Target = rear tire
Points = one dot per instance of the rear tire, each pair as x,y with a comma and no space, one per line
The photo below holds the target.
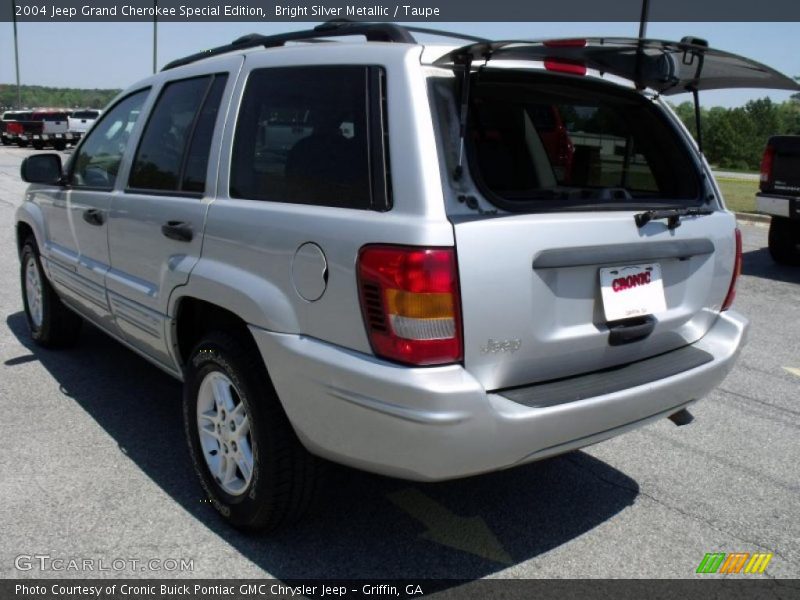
784,241
22,143
51,324
226,382
60,145
38,145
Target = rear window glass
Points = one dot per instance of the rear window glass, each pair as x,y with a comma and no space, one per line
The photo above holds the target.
303,137
549,143
85,114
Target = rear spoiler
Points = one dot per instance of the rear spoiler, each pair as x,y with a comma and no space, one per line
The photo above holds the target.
666,67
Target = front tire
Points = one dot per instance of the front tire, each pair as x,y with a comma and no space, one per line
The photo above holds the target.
784,241
251,465
51,324
38,145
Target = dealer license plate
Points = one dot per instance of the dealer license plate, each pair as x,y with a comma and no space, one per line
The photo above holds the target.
632,291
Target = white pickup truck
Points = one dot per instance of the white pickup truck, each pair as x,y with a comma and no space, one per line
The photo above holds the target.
81,120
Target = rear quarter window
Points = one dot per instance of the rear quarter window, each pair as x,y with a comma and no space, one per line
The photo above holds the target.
309,135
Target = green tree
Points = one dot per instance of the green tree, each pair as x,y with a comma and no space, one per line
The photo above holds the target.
34,96
685,111
763,120
724,138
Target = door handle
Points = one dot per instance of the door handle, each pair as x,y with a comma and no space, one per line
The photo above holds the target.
630,330
94,216
177,230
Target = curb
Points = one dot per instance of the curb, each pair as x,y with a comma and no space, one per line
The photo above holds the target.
753,218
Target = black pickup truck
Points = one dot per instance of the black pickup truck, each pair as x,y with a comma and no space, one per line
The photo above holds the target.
779,196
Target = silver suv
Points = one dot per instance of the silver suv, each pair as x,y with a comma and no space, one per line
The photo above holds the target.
423,261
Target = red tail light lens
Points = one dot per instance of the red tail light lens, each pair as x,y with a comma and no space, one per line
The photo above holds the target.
737,270
411,303
766,167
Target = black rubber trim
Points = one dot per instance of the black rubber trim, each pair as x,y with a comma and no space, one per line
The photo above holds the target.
623,253
608,381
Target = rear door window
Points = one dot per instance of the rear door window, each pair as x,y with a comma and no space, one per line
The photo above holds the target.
173,152
196,161
312,135
549,144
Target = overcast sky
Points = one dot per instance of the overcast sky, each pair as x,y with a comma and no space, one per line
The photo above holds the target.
116,55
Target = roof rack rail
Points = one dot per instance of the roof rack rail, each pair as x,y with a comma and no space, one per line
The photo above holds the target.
374,32
449,34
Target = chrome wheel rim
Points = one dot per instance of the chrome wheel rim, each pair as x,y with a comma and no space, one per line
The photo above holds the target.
33,292
224,430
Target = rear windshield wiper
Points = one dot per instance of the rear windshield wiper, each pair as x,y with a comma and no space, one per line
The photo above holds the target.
672,215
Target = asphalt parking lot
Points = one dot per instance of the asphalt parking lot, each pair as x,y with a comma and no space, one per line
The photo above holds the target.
93,464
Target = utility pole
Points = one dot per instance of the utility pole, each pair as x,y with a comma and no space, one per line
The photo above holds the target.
155,35
16,50
643,18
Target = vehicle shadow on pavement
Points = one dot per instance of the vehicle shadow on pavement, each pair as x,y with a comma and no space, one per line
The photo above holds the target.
759,263
364,526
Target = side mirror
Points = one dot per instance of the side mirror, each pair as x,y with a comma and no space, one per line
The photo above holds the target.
42,168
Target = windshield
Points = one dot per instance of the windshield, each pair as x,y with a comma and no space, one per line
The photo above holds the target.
543,142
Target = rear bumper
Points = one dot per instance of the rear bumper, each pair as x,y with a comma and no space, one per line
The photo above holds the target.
778,206
46,137
439,423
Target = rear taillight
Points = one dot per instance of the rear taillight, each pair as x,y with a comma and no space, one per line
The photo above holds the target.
765,181
737,270
411,304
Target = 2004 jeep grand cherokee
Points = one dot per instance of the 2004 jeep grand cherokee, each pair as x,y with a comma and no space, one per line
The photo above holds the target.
423,261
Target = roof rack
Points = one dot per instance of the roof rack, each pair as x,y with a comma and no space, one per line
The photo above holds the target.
448,34
373,32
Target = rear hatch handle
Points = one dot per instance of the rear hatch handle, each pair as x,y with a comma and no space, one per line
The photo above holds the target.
672,215
630,330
